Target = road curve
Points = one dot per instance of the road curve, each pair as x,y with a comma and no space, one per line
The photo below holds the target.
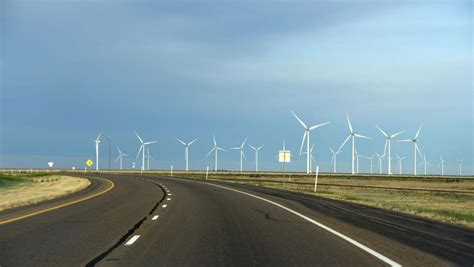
168,221
76,234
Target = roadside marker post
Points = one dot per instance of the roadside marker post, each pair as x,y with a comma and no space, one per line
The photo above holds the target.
284,156
316,178
171,170
207,172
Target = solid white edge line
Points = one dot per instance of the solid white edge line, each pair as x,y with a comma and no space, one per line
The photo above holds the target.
155,217
132,240
348,239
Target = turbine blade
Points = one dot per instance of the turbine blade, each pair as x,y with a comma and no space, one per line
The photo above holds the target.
221,149
395,135
418,132
317,126
301,122
260,147
149,143
212,150
243,143
302,141
347,139
190,143
362,136
243,154
181,141
252,147
405,140
349,123
139,138
418,150
140,150
382,131
98,137
385,149
215,142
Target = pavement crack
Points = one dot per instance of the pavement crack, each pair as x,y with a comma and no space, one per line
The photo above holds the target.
129,233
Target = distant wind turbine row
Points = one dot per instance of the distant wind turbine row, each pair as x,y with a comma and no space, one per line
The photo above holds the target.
144,149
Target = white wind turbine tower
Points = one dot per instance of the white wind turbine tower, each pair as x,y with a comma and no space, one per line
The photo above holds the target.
425,163
334,158
415,147
186,150
441,164
388,144
399,164
242,154
306,135
380,159
371,164
120,157
214,149
312,158
460,166
142,149
97,142
256,149
148,157
353,135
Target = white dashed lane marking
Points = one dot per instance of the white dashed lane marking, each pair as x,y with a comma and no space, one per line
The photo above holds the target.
155,217
132,240
164,206
168,199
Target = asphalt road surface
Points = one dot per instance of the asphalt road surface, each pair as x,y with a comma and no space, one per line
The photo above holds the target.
168,221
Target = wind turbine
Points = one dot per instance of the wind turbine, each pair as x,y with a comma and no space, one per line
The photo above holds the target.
388,144
415,147
460,166
400,159
186,150
97,142
353,135
424,162
256,149
214,149
120,157
380,159
306,135
242,154
142,149
441,164
334,158
357,160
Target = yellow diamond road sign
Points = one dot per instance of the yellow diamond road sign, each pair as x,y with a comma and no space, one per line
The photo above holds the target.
89,163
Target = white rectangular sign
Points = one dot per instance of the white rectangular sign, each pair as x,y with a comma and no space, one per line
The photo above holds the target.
284,156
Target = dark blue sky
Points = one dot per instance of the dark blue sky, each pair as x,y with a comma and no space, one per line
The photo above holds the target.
236,69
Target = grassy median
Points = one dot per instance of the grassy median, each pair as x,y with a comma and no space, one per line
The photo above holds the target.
25,189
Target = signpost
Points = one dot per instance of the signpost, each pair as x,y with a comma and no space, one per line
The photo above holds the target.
284,156
316,178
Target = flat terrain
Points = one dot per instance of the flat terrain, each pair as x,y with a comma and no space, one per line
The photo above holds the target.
21,190
169,221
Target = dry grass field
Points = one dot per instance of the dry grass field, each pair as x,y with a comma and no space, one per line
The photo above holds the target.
16,190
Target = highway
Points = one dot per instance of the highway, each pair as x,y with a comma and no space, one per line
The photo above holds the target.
148,220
